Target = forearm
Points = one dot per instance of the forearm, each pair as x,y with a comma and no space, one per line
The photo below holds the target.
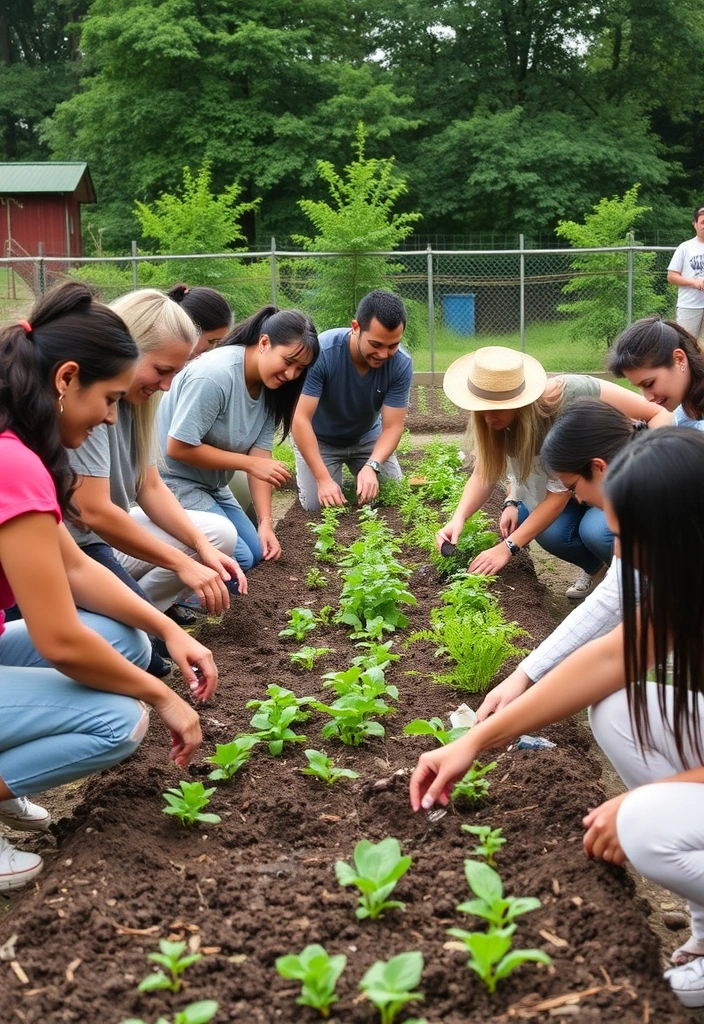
674,277
307,444
118,529
164,510
206,456
544,513
386,443
261,497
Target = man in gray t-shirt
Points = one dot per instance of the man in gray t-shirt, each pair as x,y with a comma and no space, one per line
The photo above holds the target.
353,405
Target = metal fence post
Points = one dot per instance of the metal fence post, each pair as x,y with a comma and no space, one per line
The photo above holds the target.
135,268
431,309
522,291
629,297
274,290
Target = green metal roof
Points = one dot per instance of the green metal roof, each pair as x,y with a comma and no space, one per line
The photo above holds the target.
22,178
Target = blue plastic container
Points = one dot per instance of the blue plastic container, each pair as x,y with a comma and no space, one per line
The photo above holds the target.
458,313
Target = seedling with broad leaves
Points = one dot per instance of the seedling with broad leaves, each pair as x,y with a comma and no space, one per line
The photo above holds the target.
174,960
355,679
473,786
434,727
318,973
377,868
195,1013
187,803
490,841
323,767
389,984
307,656
301,622
491,956
490,903
353,718
230,757
276,715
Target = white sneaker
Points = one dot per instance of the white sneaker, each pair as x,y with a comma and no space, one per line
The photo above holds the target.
17,867
687,982
24,816
584,584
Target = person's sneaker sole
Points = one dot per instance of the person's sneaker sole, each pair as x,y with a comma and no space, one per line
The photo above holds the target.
25,824
19,878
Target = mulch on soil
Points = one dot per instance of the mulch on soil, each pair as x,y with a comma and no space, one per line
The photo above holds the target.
262,883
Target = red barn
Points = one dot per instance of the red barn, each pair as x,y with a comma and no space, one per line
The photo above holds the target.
40,208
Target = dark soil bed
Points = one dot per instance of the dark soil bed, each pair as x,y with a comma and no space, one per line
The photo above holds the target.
430,411
262,882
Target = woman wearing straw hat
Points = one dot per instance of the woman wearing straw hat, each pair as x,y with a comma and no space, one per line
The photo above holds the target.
513,405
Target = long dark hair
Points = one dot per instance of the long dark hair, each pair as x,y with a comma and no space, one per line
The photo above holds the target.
206,307
66,325
656,488
284,327
588,429
649,344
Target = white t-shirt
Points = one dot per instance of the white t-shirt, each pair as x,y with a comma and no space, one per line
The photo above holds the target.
689,261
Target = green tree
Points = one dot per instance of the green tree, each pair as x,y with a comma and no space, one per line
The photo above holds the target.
598,311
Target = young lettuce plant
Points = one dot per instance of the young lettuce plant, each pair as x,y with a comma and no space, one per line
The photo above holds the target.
473,787
377,869
352,721
389,984
195,1013
230,757
377,656
307,656
434,727
315,579
490,841
322,767
318,973
187,802
171,958
301,622
491,956
275,717
365,682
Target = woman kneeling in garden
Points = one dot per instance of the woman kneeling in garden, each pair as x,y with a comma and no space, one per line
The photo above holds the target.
73,691
513,405
649,721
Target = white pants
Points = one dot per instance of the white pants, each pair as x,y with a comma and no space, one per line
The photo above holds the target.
692,320
163,586
660,824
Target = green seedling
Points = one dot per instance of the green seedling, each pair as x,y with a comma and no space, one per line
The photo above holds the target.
490,841
325,614
276,715
315,579
490,904
473,787
352,718
187,802
171,957
306,657
318,973
301,622
229,757
389,984
194,1013
322,767
324,531
377,656
367,683
491,956
434,727
377,869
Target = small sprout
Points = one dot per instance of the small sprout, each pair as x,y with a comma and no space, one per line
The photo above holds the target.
318,973
490,841
301,622
194,1013
377,869
306,657
388,984
229,757
171,957
276,715
473,787
489,954
320,765
498,910
187,802
434,727
315,579
325,615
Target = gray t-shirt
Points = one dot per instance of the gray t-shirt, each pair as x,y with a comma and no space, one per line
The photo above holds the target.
209,404
349,410
109,453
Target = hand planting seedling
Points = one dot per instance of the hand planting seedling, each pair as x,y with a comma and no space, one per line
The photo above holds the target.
187,802
171,957
195,1013
229,757
306,657
490,841
489,954
473,787
322,767
377,869
498,910
301,622
389,984
315,579
318,973
434,727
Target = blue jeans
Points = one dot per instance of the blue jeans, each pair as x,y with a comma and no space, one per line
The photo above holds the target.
579,535
248,549
54,730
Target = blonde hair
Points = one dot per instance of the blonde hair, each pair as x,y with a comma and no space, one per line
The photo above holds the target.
152,319
521,441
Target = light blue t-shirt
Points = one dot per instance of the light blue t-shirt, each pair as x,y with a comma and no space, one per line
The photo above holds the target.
209,404
349,407
681,419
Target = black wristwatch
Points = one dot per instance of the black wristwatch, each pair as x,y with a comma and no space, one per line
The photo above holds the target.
512,546
374,465
511,503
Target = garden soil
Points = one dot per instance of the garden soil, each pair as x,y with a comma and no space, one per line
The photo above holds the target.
120,875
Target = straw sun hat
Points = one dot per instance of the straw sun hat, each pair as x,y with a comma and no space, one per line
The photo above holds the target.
494,378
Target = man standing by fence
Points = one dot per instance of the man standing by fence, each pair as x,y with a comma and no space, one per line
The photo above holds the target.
353,406
686,270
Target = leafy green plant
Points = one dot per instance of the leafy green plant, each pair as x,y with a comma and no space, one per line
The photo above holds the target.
187,802
195,1013
324,616
315,579
377,869
307,656
276,715
301,622
318,973
473,786
355,679
490,841
230,757
389,984
353,718
324,531
490,903
173,958
322,767
491,956
434,727
377,655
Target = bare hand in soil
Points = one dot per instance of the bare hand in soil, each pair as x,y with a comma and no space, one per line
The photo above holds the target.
601,838
436,773
367,484
488,563
330,493
184,726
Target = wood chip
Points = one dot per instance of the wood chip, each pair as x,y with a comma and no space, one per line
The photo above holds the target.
330,817
646,1012
210,950
122,929
553,939
577,900
519,810
455,945
556,887
72,968
21,976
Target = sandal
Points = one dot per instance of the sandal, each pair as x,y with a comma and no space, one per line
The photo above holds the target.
692,949
182,616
